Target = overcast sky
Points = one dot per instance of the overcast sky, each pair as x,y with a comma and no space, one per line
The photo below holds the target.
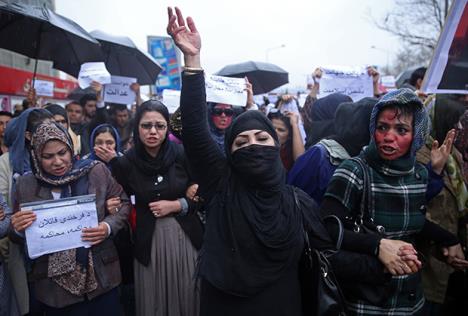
314,32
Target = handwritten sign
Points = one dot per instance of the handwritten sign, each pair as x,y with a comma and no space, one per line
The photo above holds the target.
225,90
171,99
118,91
59,223
352,81
90,72
44,87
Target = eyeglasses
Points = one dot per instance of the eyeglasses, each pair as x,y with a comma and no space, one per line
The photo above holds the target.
218,112
158,126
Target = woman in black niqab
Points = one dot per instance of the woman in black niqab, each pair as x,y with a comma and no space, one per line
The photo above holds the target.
254,231
252,221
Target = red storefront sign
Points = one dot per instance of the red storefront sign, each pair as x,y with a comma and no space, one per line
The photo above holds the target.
17,82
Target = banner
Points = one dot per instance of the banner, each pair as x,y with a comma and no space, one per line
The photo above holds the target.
225,90
448,71
352,81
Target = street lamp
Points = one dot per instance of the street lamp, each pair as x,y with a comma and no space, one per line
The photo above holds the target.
268,50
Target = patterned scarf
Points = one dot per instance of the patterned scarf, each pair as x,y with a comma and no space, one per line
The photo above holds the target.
461,143
405,164
68,268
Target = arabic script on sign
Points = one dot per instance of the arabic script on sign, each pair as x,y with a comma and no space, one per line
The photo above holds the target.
59,223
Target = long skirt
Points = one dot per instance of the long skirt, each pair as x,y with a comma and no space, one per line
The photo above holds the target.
8,304
167,286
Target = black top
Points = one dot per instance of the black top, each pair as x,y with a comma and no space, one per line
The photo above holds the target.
149,187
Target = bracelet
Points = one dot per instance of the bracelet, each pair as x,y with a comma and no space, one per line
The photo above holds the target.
193,69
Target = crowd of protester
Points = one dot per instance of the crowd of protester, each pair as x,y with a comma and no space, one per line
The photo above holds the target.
208,211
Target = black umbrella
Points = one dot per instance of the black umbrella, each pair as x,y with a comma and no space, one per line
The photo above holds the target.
264,77
405,76
124,58
40,33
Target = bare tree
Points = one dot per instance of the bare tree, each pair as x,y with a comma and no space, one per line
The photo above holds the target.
417,23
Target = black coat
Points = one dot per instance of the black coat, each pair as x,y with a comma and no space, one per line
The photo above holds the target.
153,187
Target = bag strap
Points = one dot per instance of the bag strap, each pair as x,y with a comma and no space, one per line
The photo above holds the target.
339,240
365,199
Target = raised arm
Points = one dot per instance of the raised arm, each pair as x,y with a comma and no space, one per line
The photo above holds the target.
206,161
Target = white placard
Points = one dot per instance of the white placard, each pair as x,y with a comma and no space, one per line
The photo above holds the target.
302,99
225,90
388,81
44,87
118,91
352,81
171,99
90,72
59,223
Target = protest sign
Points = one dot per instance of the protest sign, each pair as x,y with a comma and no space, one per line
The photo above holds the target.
352,81
448,71
44,87
171,99
302,99
389,82
90,72
118,91
225,90
59,223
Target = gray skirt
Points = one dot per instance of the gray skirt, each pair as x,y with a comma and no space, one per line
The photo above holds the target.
167,286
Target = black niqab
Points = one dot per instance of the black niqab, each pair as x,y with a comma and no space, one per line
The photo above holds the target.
254,232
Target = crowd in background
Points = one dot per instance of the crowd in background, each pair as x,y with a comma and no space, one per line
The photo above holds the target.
204,211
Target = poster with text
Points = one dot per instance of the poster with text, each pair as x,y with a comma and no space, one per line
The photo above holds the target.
352,81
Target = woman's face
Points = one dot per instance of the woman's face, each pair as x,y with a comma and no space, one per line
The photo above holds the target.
252,137
222,116
281,130
105,140
56,158
152,129
393,134
61,120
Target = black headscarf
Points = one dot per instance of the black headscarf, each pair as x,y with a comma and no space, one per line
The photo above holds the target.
352,125
253,229
448,111
323,115
56,109
168,151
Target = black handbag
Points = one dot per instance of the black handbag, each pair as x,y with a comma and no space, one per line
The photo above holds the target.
363,223
320,292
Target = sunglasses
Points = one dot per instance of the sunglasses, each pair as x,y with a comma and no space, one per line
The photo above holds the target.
219,112
158,126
